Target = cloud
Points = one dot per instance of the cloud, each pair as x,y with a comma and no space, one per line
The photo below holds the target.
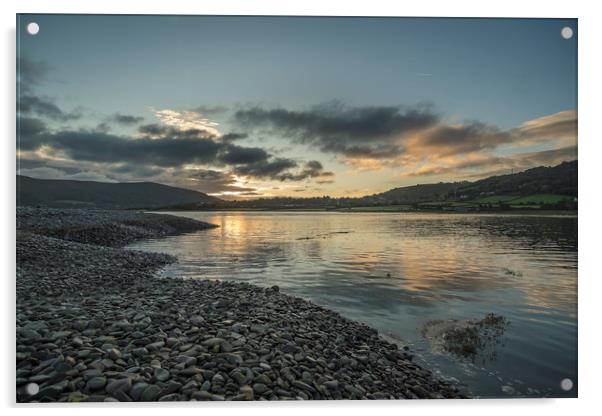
210,110
448,140
236,155
231,137
125,119
187,120
43,107
160,147
30,74
55,173
29,127
561,126
378,137
312,169
333,127
216,182
480,166
96,146
272,169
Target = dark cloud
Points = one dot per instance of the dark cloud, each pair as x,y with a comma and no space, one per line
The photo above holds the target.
214,181
125,119
210,110
163,147
312,169
209,175
449,140
98,146
272,169
161,131
230,137
43,107
28,128
280,169
137,171
237,155
29,74
336,128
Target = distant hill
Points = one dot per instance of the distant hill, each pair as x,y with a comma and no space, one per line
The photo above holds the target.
560,179
416,194
69,193
537,186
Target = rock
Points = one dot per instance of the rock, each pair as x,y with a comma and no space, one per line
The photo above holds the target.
29,334
260,388
212,342
140,352
150,393
114,353
186,360
76,397
49,392
172,387
96,383
262,378
331,384
155,346
197,320
301,385
161,374
289,347
137,389
122,385
247,392
174,397
201,395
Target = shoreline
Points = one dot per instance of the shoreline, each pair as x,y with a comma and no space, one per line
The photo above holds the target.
513,212
95,324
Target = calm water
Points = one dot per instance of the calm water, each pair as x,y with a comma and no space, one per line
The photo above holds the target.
396,271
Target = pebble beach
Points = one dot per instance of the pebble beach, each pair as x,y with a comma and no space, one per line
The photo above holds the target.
94,324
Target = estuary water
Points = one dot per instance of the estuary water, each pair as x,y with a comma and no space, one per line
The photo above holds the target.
398,271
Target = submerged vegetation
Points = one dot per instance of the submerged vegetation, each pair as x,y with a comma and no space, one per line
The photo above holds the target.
466,339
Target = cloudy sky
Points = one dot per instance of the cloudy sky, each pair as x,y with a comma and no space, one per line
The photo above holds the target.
241,107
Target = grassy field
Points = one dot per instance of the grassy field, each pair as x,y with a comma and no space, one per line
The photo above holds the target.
495,199
537,199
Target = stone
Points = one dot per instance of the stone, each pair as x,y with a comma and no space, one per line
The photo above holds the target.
174,397
247,392
96,383
76,397
211,342
123,385
331,384
151,393
137,389
260,388
161,374
186,360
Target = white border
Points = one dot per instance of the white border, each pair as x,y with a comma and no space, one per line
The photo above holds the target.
590,200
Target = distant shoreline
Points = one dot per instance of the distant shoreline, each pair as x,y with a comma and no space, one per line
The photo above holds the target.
518,212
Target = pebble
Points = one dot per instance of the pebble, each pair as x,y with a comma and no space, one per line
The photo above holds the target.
96,383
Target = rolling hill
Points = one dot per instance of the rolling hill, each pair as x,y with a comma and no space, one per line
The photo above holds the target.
69,193
559,180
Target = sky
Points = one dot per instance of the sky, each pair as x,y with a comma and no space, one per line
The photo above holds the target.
247,107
